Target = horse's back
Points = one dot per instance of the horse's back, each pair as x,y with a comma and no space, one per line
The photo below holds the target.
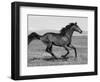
49,37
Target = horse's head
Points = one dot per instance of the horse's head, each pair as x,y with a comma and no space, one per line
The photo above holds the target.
69,28
75,27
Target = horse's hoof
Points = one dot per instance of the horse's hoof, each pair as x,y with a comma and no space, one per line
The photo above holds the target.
63,56
75,59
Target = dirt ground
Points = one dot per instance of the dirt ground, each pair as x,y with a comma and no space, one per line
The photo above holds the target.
38,57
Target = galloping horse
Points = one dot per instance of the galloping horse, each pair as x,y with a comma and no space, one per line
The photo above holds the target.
62,39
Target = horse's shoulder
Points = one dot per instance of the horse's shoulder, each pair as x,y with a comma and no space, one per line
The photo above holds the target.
65,38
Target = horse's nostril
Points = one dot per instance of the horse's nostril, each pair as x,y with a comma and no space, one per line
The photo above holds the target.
80,31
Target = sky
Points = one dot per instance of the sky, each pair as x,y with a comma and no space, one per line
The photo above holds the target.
41,22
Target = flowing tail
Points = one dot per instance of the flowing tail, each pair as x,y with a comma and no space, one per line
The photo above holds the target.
33,36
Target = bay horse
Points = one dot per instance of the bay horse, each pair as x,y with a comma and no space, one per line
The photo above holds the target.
62,39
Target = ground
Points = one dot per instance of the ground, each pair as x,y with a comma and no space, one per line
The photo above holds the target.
38,57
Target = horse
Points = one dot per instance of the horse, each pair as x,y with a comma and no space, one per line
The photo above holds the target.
61,39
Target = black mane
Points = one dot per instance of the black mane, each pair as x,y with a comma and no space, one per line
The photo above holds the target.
63,30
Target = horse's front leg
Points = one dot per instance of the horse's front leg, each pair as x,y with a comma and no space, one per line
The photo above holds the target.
66,53
71,46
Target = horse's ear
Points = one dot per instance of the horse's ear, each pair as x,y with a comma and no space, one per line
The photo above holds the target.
75,23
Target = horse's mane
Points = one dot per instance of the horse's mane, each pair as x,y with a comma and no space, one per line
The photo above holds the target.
64,29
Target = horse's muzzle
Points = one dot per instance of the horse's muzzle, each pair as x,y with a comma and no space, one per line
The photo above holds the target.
80,31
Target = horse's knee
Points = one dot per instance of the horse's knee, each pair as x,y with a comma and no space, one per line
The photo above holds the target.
74,49
68,52
46,50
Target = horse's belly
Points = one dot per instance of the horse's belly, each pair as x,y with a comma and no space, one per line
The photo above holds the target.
60,43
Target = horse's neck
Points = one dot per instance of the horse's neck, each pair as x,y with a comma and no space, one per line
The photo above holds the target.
69,34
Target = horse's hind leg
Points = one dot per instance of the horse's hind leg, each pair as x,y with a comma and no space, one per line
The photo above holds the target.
49,50
66,53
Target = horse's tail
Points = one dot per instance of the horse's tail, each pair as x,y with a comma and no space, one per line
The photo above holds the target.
33,36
